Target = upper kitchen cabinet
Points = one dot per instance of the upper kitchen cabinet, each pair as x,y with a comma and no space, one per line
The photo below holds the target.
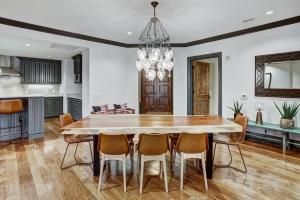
77,68
40,71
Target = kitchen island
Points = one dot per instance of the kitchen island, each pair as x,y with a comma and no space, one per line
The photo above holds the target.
33,119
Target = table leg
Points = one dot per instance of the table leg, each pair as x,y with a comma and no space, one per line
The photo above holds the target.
96,164
285,142
209,155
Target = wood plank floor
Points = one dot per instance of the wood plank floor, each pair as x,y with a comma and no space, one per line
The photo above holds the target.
31,171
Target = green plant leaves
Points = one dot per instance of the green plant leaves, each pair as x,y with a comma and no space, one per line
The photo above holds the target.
237,107
288,111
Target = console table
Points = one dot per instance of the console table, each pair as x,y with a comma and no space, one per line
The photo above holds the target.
275,127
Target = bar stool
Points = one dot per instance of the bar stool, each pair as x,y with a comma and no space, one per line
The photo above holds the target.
10,107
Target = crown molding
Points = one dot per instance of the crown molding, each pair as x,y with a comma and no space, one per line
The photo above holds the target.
45,29
49,30
246,31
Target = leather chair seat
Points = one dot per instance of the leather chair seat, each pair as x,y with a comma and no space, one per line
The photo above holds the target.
11,106
232,138
77,138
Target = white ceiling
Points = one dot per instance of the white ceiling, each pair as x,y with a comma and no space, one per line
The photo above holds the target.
16,46
185,20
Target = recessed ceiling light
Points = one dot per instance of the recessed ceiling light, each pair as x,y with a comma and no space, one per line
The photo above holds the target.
129,33
270,12
248,20
48,56
27,45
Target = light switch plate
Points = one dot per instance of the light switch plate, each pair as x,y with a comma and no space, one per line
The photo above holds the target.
244,96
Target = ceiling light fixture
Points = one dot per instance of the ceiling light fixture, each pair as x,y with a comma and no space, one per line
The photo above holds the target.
155,55
48,56
248,20
129,33
27,45
270,12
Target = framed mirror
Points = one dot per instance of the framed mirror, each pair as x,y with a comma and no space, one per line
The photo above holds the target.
278,75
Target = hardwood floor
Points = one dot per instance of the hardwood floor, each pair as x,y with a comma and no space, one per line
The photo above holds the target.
31,171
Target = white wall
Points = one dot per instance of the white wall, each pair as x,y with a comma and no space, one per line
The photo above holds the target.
238,68
109,74
68,87
113,76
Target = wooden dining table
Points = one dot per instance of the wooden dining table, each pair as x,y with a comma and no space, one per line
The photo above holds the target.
95,124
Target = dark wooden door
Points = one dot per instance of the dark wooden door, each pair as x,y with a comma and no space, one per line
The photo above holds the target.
201,88
156,95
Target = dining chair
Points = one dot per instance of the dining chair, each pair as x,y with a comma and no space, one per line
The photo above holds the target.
65,120
153,147
113,147
192,146
233,139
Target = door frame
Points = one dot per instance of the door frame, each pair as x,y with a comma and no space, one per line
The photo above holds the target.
190,99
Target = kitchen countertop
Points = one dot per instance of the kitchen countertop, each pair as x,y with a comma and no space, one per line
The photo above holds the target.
29,95
75,96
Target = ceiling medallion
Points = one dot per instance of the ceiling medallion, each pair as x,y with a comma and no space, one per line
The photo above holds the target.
155,55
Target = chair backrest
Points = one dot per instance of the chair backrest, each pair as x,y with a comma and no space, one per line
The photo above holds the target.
192,143
153,144
65,119
243,121
113,144
11,106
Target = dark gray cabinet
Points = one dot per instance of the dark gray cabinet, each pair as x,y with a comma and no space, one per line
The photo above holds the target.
77,68
35,115
33,120
75,108
53,106
40,71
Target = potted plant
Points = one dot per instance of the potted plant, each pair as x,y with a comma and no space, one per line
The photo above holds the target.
237,108
287,112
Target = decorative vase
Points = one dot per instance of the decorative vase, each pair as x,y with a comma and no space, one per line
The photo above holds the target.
236,114
259,119
287,123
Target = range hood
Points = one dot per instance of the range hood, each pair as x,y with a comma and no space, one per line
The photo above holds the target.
8,66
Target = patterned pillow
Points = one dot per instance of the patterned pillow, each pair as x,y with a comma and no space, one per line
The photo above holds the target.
117,106
121,108
96,108
104,108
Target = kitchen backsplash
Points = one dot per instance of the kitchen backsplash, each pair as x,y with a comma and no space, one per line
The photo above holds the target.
11,85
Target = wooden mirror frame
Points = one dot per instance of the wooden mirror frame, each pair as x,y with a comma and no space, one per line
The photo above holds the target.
260,61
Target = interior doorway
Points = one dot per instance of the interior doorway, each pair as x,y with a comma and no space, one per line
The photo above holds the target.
156,97
205,85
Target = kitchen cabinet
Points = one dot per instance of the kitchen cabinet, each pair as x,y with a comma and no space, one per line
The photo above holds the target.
77,68
53,106
75,108
40,71
35,115
32,123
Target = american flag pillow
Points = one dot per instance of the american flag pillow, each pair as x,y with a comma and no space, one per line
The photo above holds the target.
96,108
104,109
121,108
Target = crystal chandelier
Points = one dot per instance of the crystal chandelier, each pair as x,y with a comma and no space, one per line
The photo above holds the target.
155,55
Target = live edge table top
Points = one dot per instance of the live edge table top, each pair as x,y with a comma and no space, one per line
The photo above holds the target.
134,123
